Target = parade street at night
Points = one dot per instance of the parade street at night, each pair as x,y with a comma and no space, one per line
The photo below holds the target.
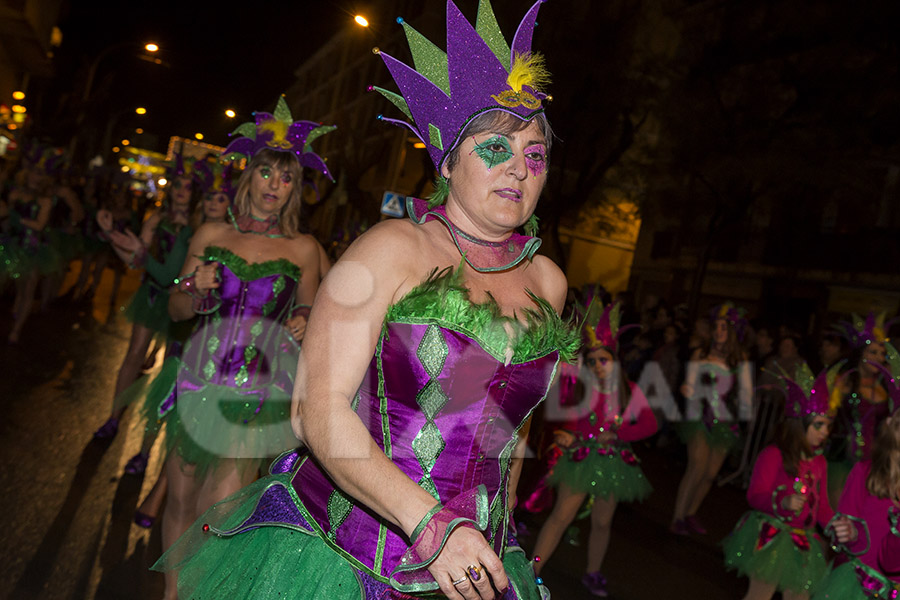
69,508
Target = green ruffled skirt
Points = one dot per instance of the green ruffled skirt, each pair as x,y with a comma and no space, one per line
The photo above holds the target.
719,437
287,561
217,421
843,584
601,475
152,314
779,561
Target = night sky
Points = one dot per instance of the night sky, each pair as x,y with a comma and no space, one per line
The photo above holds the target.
220,55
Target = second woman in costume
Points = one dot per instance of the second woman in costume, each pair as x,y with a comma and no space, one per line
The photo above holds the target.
598,460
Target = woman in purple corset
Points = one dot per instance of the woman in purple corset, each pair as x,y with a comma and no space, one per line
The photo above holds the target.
430,344
250,281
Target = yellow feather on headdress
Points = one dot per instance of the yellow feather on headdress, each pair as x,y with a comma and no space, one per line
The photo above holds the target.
278,128
530,70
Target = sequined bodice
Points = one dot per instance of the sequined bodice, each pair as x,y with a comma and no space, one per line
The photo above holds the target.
443,402
239,344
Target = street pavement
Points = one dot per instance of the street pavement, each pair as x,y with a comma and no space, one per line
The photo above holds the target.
66,508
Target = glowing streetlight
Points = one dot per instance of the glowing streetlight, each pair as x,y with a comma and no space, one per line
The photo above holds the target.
115,148
361,21
199,136
139,131
230,114
141,110
125,142
125,169
17,95
151,47
18,108
12,126
162,181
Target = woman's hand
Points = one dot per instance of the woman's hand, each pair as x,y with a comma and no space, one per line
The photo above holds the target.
296,326
206,278
126,241
606,437
464,548
563,439
794,503
105,220
687,390
844,531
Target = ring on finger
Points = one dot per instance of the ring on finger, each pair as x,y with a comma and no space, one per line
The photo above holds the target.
460,580
474,572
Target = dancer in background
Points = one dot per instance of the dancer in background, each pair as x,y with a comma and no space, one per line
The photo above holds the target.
598,460
163,244
776,543
718,388
869,563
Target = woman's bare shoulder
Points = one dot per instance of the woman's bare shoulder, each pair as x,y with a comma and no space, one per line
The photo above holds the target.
550,281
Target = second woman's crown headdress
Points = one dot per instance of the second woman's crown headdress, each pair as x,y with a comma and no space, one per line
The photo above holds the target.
278,131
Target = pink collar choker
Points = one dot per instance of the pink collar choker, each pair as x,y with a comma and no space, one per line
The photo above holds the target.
482,255
270,227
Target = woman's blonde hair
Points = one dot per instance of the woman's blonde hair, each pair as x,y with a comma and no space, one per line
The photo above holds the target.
884,475
289,218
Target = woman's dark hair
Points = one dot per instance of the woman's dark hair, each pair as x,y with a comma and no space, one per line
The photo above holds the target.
499,122
790,437
884,475
621,382
734,353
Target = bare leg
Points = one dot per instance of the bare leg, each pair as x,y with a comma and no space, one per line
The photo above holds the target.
713,466
230,476
117,281
601,521
697,456
564,512
180,510
152,503
24,301
131,366
760,591
99,265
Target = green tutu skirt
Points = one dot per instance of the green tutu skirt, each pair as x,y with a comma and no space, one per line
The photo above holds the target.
217,421
719,437
764,548
287,560
149,307
843,583
617,473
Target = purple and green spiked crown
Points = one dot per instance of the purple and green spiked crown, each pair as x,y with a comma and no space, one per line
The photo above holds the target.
807,394
479,72
278,131
216,178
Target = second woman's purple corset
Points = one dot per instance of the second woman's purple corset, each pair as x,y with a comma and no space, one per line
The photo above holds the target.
444,397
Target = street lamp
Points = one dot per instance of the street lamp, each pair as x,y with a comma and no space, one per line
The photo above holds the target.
140,110
361,21
230,114
151,47
199,136
17,95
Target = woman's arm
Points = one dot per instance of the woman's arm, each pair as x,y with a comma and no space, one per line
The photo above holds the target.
40,221
165,272
181,301
343,330
638,420
745,391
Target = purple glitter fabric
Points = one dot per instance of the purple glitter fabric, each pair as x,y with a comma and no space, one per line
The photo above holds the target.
275,507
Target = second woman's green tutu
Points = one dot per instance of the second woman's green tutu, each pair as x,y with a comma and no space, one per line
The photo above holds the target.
764,548
149,307
602,475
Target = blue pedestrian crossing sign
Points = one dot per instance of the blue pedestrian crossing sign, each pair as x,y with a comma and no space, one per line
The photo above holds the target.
393,205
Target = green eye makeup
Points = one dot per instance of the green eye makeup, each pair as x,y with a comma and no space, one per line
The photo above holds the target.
493,151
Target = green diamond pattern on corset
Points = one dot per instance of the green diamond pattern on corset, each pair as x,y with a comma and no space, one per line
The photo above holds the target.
428,443
339,507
